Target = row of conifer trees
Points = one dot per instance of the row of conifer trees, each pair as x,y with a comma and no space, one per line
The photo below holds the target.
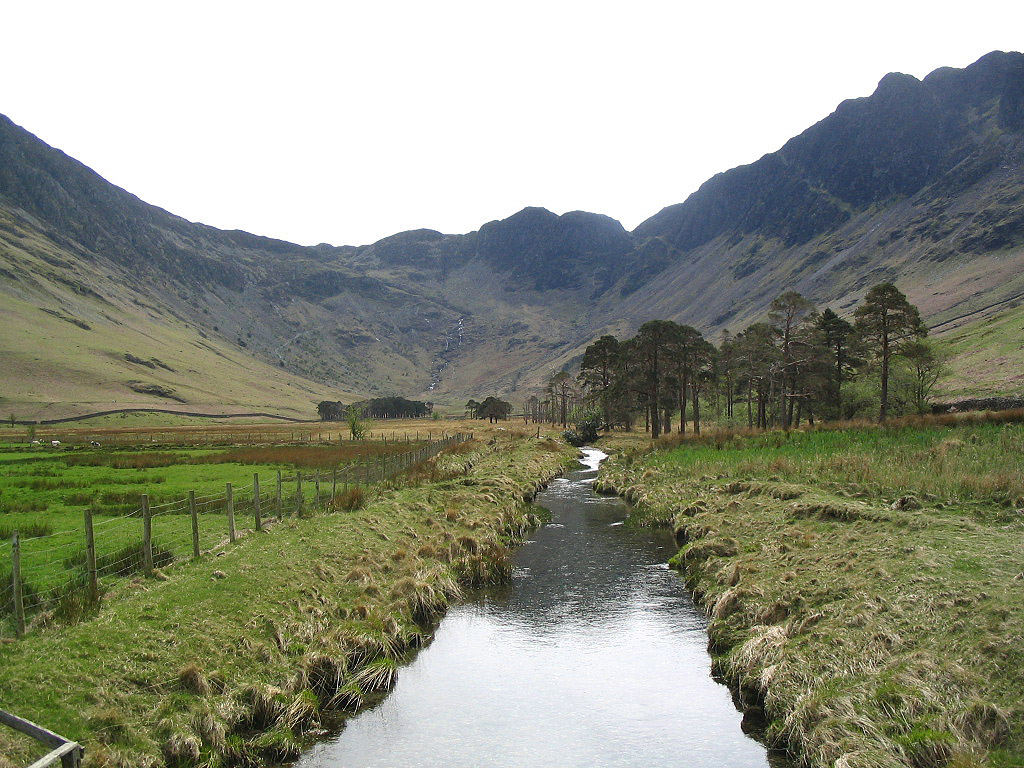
798,364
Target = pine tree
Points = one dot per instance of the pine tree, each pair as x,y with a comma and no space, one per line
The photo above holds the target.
886,322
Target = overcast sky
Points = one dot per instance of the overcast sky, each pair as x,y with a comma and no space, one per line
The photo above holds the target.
344,122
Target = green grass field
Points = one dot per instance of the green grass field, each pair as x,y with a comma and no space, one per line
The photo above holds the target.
987,357
231,659
44,494
865,586
979,465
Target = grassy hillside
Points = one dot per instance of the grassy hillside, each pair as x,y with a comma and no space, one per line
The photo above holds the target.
78,338
986,356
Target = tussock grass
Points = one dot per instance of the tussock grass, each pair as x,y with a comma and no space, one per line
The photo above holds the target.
124,460
377,676
305,456
860,584
192,679
25,530
349,499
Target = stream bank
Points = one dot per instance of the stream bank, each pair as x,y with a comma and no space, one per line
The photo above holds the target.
231,659
873,616
593,654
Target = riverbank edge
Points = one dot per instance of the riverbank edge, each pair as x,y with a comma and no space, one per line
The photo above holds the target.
752,632
232,660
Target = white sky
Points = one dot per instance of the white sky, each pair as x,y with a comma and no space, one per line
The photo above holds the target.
344,122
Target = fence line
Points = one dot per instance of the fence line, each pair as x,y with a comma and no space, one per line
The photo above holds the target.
68,752
156,535
226,437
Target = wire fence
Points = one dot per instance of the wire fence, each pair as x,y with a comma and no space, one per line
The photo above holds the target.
228,436
60,577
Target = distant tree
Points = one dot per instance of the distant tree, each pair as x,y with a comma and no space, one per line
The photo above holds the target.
599,369
704,355
787,315
689,358
887,323
649,351
355,424
838,337
472,409
494,409
394,407
329,410
758,364
925,365
531,409
726,369
562,393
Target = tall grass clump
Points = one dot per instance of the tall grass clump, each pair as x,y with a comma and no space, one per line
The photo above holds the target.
25,530
119,460
349,499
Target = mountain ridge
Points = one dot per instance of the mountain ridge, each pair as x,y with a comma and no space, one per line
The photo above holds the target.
921,182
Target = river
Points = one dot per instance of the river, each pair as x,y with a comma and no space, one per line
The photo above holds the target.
594,655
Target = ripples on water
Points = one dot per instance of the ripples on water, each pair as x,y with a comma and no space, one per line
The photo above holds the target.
593,656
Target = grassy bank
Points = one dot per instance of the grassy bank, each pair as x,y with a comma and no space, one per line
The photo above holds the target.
45,492
231,660
864,586
985,356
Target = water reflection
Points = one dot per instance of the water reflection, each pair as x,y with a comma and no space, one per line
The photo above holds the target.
594,655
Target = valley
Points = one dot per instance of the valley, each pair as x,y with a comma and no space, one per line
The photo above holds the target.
921,183
222,543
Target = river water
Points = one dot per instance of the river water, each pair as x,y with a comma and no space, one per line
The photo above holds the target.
593,656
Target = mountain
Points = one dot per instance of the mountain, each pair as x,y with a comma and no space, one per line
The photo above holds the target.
920,183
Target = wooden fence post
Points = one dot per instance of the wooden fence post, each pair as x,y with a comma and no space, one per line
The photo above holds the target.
299,500
334,483
280,507
147,536
19,603
230,504
195,522
316,488
90,558
256,501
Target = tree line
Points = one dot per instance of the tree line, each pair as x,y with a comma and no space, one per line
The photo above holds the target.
797,365
392,407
